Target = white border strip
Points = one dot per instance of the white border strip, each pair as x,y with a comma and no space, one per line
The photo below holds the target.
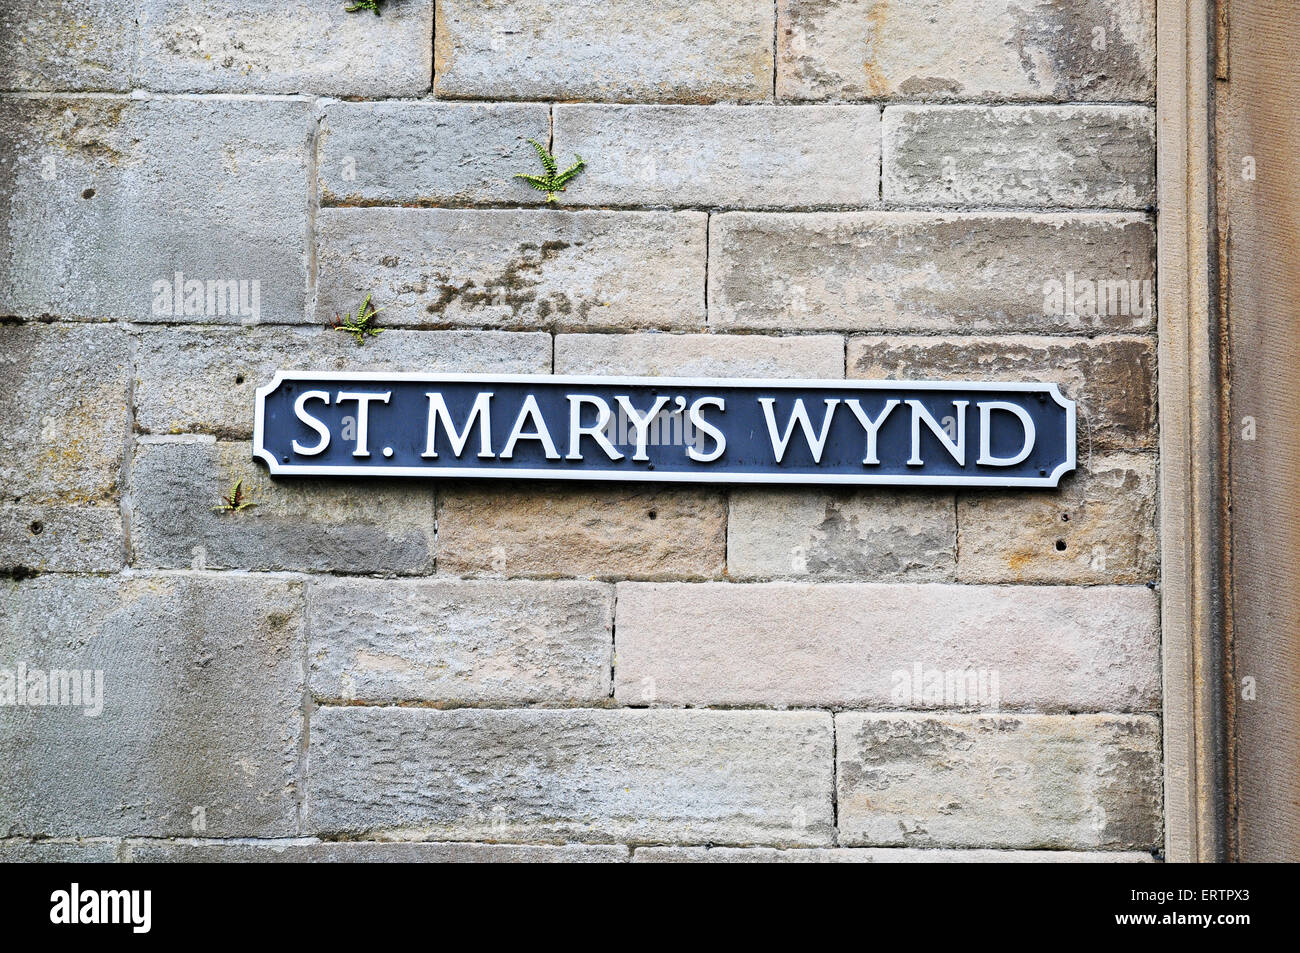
653,476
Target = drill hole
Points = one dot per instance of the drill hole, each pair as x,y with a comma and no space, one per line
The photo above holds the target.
1060,545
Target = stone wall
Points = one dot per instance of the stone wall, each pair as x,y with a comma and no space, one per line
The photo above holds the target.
805,188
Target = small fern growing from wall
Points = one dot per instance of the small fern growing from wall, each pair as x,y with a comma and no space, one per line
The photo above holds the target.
372,5
553,180
360,326
235,500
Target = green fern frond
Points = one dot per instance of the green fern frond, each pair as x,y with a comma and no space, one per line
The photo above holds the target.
567,176
540,183
548,160
235,500
372,5
362,324
553,180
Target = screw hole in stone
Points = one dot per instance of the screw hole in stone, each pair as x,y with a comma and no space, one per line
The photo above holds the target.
1060,545
37,527
654,514
239,378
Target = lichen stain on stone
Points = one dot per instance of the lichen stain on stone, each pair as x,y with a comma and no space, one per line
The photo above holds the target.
877,84
839,545
515,287
922,86
278,621
1131,795
1018,562
1075,68
71,443
144,586
898,742
86,128
247,45
366,661
49,27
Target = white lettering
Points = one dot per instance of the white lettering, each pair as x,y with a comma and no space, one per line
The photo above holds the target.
641,424
698,421
986,458
313,422
817,444
957,448
596,431
872,427
530,411
134,907
480,413
363,416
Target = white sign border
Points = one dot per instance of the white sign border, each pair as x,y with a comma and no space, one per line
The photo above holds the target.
652,476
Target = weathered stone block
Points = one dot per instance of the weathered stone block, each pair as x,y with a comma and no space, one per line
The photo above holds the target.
700,355
263,46
879,855
61,538
64,404
429,153
581,775
515,269
975,49
1100,526
609,532
939,272
58,852
202,693
67,44
1054,781
460,642
193,380
1111,378
63,399
370,852
655,51
179,521
873,534
129,208
1071,156
739,156
888,646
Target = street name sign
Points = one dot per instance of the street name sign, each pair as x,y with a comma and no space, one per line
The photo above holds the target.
931,433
